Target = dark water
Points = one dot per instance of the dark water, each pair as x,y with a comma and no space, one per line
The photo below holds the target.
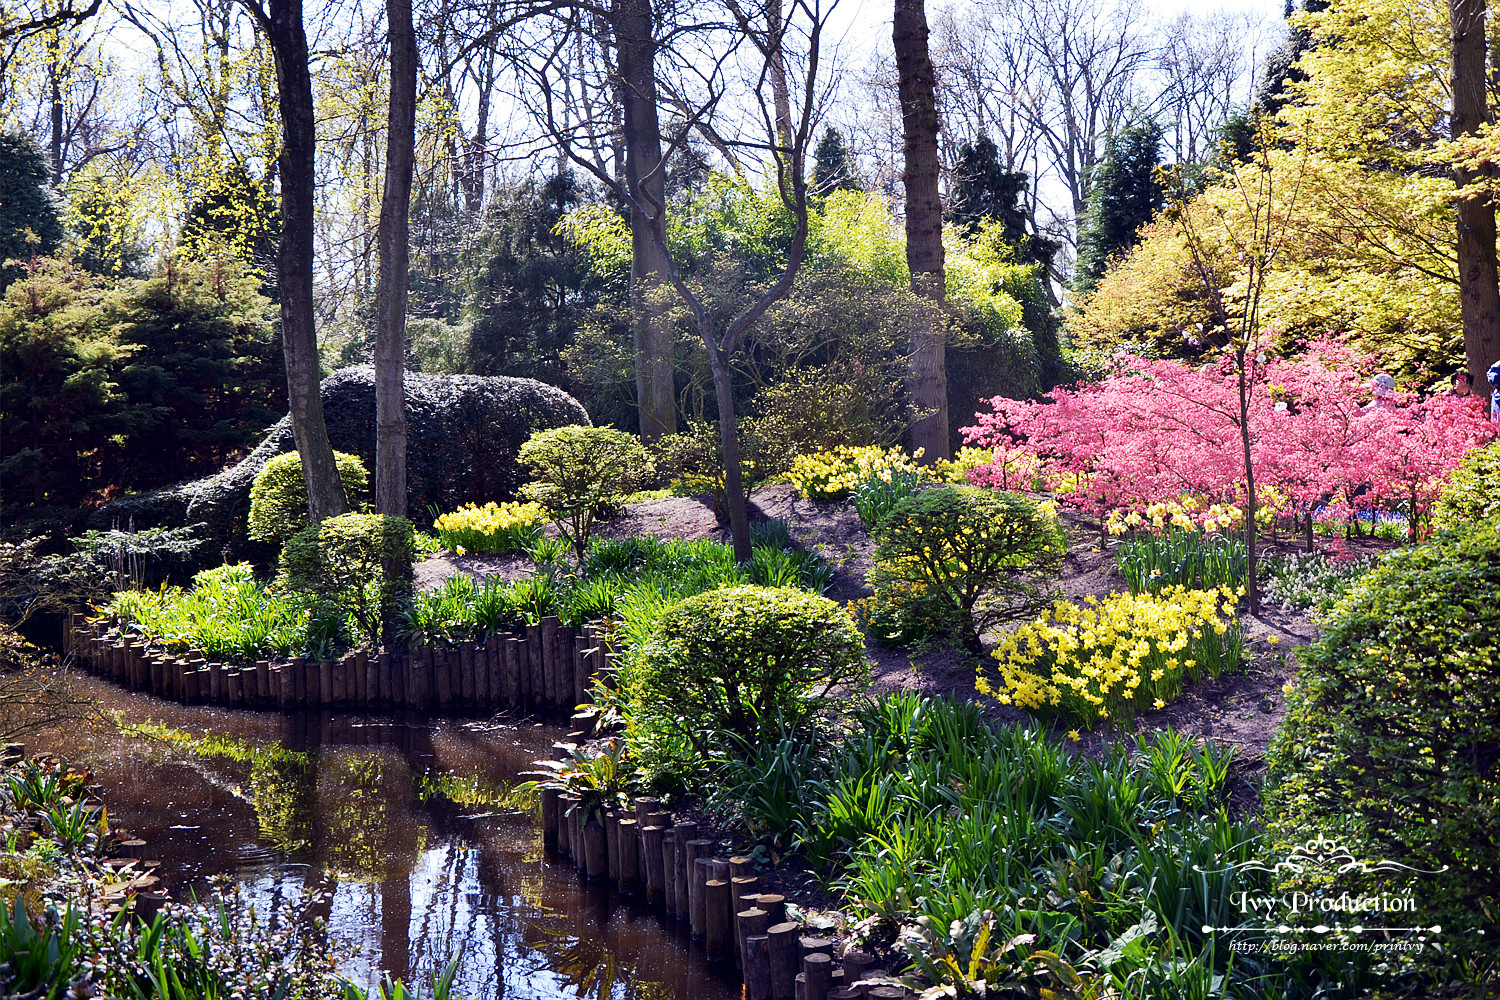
413,830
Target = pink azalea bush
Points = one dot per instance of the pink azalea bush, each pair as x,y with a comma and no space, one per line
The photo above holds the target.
1157,430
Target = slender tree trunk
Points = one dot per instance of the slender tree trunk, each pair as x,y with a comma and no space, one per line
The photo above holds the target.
1477,281
729,439
924,225
294,258
776,56
54,70
1252,590
644,179
390,333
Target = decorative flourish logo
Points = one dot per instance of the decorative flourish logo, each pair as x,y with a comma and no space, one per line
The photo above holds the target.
1323,857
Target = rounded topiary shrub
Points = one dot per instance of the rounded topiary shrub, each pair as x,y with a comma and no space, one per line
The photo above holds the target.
974,556
1391,745
746,661
345,559
278,496
581,471
1472,493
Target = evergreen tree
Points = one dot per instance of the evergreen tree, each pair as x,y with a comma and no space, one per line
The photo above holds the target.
533,287
30,223
1123,197
1281,63
832,168
204,373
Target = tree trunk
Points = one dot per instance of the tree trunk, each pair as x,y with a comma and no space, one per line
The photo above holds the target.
390,333
1252,590
1477,281
776,57
729,439
644,179
294,258
924,225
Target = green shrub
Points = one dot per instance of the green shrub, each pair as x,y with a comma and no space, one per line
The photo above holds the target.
747,661
977,553
1391,744
344,559
278,496
580,471
1472,494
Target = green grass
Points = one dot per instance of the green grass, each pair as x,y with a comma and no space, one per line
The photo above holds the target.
925,814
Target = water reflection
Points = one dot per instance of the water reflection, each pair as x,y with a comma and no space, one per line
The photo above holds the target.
415,833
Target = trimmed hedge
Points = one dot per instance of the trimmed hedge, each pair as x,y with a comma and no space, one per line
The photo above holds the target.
1392,740
278,494
747,661
1472,494
463,433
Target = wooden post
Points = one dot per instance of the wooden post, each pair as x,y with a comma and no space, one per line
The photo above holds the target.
681,867
426,679
549,817
774,905
580,643
716,927
596,851
630,842
697,874
326,691
443,676
387,674
757,967
263,682
580,856
298,668
343,667
741,886
720,870
669,873
566,803
494,661
465,687
740,866
563,646
510,671
612,839
550,666
786,958
817,968
812,944
644,807
236,679
749,922
856,964
651,839
536,693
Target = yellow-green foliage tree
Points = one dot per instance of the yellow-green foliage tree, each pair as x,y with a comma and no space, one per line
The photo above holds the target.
1374,251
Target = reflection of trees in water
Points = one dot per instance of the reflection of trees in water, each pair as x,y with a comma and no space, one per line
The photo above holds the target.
588,967
366,827
283,801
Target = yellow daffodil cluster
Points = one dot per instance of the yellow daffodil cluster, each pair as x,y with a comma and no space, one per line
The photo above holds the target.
956,469
832,475
1105,660
493,528
1188,513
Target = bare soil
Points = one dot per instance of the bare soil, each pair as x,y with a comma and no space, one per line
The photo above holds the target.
1243,709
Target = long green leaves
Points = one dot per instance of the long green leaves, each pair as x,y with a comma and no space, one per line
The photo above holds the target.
1181,557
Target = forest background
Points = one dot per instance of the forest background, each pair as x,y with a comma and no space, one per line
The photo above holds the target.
143,201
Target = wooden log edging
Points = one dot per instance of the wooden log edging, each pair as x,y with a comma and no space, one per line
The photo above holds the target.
546,669
647,852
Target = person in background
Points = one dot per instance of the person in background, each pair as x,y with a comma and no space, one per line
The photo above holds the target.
1384,388
1463,385
1494,379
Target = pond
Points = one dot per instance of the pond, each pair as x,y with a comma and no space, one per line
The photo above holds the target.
413,830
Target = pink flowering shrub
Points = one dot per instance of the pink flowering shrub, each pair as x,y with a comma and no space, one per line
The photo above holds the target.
1159,430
